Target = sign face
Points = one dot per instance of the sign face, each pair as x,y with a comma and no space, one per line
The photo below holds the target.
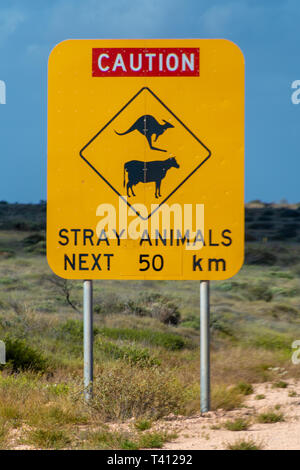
145,159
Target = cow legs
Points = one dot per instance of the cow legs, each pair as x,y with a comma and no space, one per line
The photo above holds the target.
157,189
129,186
158,183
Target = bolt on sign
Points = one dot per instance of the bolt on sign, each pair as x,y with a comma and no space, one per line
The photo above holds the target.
145,159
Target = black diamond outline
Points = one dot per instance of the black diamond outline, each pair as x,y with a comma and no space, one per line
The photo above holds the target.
112,119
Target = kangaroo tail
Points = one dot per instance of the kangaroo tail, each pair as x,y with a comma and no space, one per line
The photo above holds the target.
124,175
132,128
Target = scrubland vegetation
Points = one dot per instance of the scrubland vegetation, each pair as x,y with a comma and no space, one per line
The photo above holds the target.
146,339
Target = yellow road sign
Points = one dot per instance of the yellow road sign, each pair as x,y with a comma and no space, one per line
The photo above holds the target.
145,159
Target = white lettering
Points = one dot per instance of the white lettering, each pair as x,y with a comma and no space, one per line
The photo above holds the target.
150,58
132,66
119,62
295,95
168,62
189,63
103,69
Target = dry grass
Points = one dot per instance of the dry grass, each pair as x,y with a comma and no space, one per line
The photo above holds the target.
144,368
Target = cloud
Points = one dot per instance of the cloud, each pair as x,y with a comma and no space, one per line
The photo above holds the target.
114,18
231,18
10,20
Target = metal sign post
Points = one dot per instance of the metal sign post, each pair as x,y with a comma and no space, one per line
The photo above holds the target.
151,154
88,338
204,347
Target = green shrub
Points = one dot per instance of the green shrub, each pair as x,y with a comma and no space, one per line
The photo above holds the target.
156,306
261,256
260,397
72,330
169,341
271,341
39,248
125,441
229,285
244,388
281,274
280,384
259,292
270,417
227,398
21,356
132,354
142,424
150,305
191,322
111,440
152,440
238,424
123,392
244,444
48,438
34,239
222,323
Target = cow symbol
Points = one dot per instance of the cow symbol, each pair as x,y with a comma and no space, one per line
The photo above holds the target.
146,172
148,126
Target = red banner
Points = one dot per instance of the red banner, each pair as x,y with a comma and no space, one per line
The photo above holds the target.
140,62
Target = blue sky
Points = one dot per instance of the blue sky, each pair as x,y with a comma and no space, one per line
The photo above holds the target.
268,32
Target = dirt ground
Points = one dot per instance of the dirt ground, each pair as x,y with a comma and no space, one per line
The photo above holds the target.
208,432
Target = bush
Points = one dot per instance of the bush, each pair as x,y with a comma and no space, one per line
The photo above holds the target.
48,438
219,322
280,384
167,312
72,330
260,256
34,239
131,354
227,398
244,388
112,440
39,248
259,292
244,444
169,341
123,392
20,356
142,424
238,424
151,305
284,233
270,417
271,341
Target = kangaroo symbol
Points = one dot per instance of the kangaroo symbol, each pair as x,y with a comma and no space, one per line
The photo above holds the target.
148,126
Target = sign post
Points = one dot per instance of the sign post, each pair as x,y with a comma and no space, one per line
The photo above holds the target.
88,338
146,167
204,347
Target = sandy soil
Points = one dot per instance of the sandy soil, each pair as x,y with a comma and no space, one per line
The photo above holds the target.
207,431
